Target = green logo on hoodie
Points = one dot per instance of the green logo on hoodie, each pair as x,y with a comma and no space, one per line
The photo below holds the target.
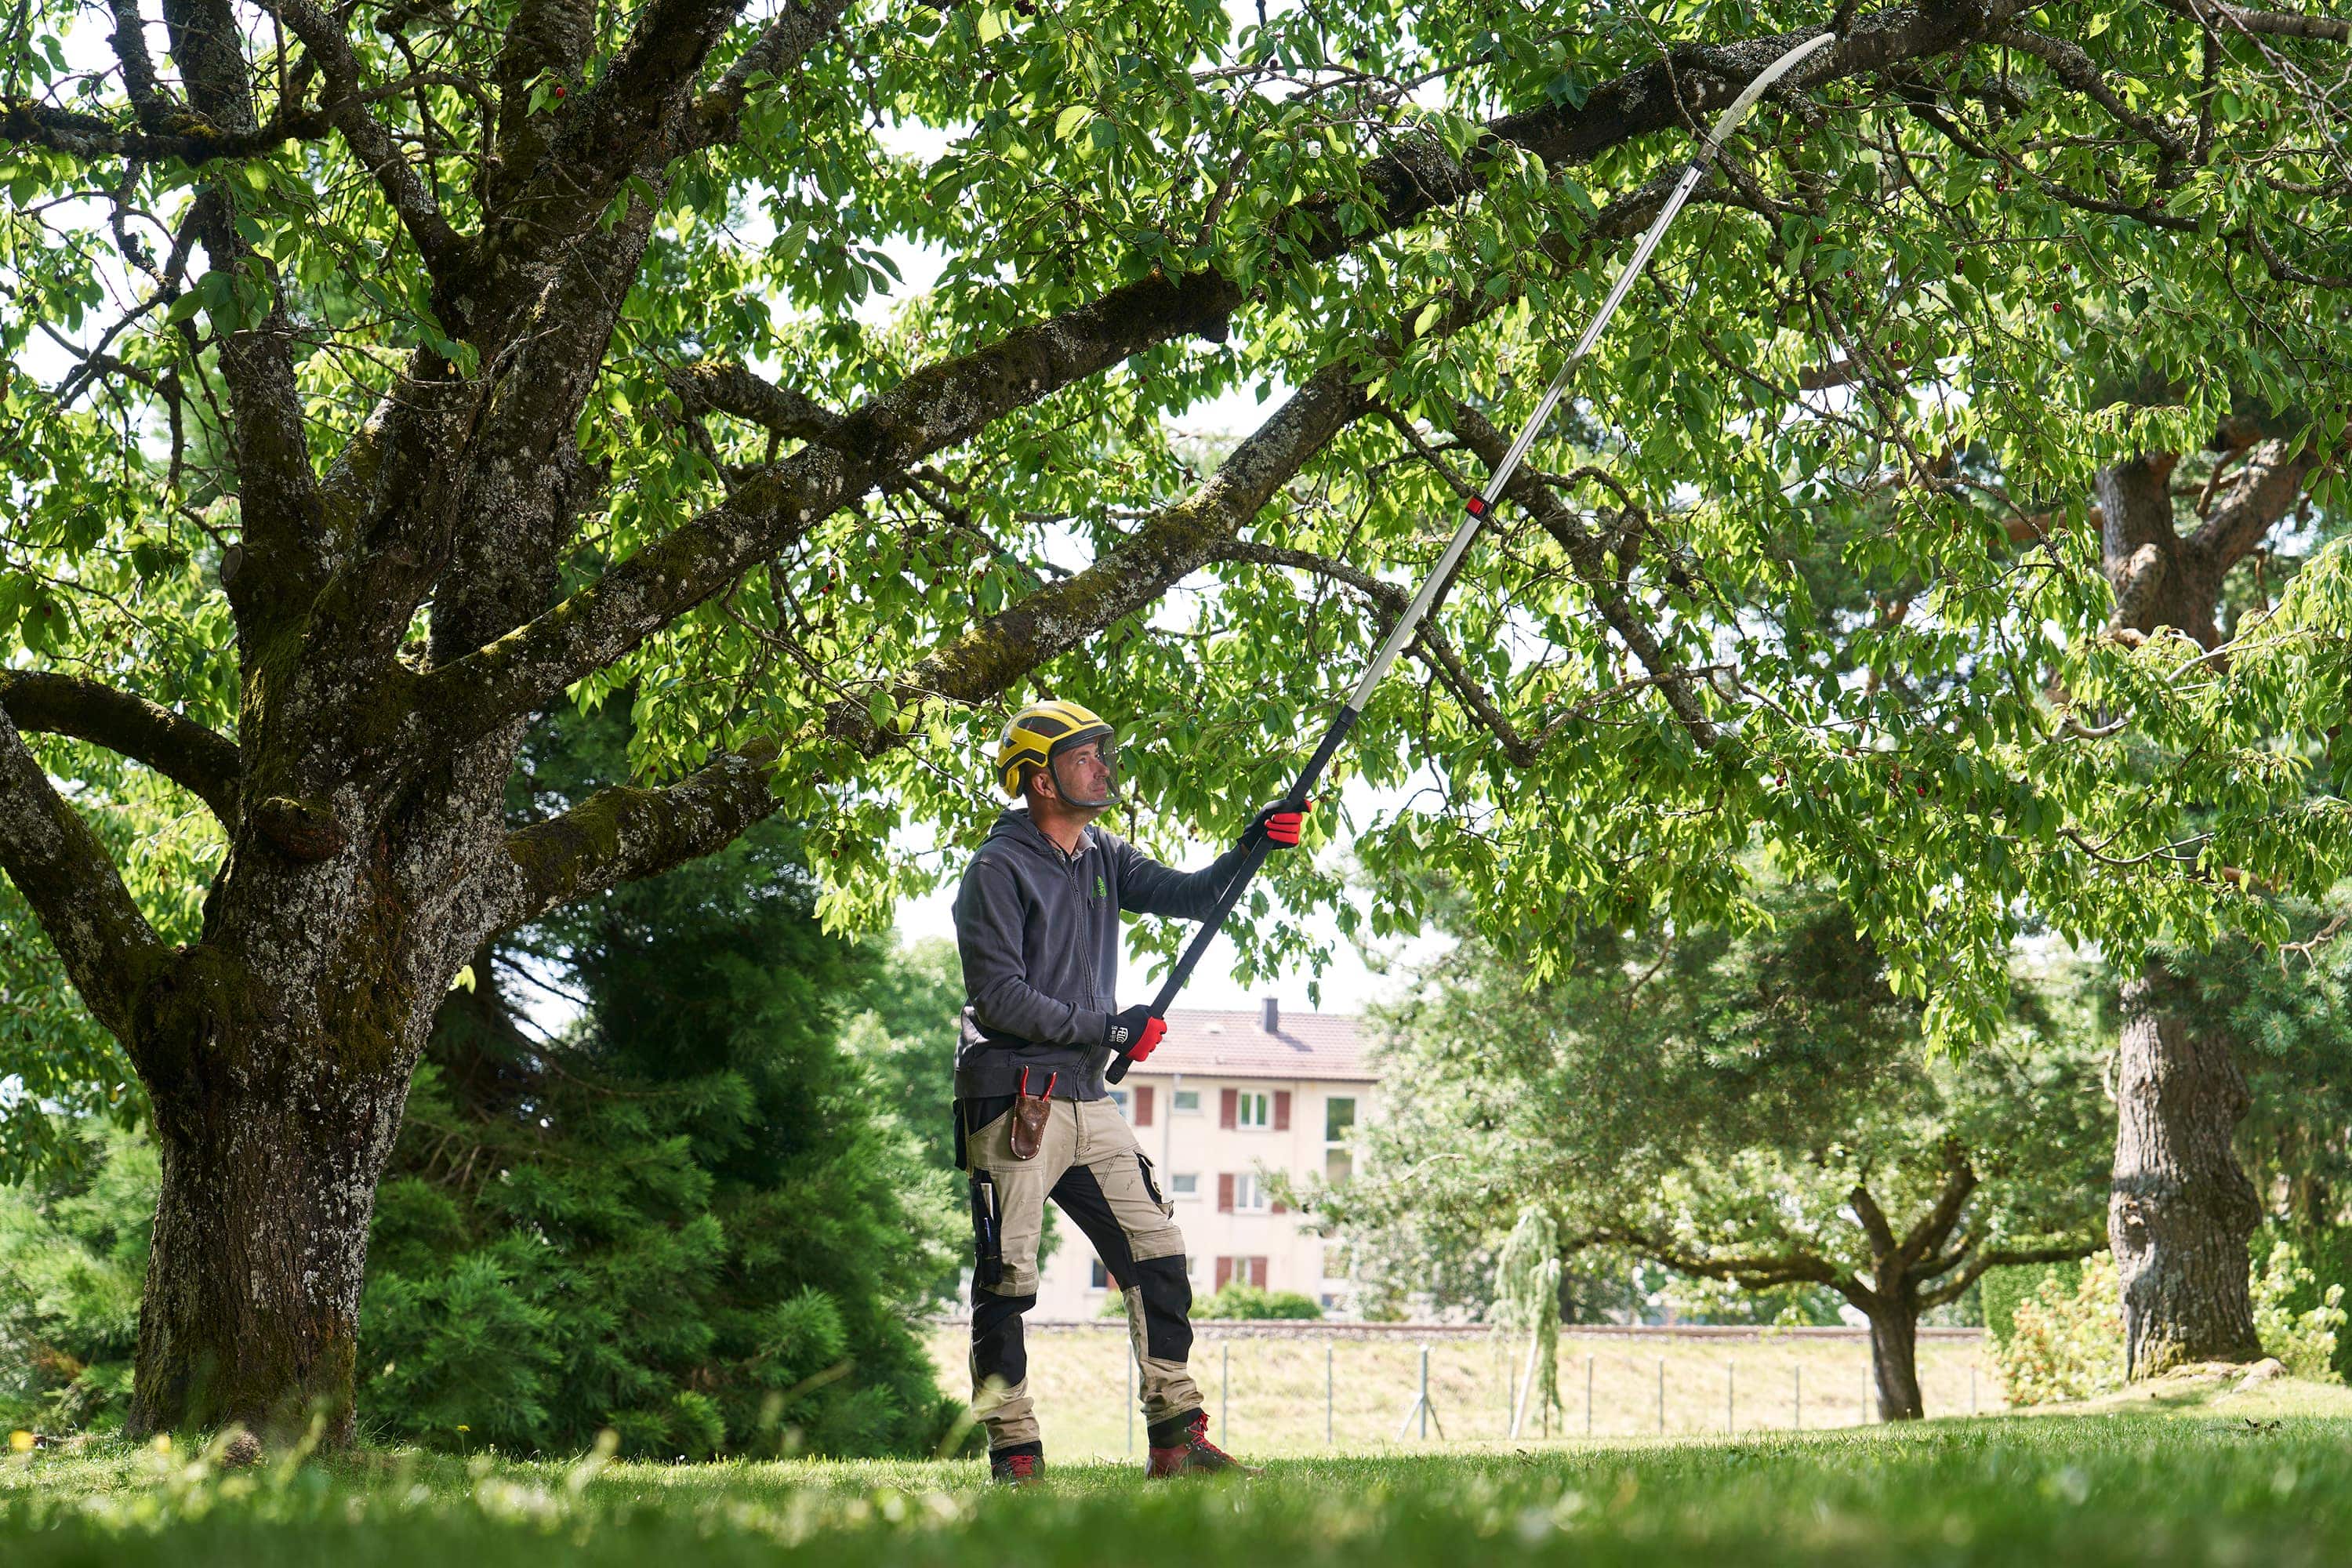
1100,892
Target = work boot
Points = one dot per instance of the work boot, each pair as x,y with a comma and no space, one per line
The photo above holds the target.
1021,1466
1188,1451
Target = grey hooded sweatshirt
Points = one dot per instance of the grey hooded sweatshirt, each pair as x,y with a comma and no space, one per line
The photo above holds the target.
1038,933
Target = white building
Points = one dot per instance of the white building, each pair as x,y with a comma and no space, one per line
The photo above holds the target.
1226,1099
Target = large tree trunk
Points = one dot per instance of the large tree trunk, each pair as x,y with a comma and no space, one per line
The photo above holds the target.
2180,1210
1895,1363
251,1313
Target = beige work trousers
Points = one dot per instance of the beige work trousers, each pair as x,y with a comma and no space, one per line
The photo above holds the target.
1089,1164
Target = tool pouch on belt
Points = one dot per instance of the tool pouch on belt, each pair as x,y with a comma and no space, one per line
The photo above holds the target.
1030,1114
987,1235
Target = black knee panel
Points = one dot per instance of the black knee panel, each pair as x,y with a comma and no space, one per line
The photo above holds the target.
1167,1307
998,1347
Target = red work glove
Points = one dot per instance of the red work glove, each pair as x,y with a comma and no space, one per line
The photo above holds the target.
1279,824
1134,1033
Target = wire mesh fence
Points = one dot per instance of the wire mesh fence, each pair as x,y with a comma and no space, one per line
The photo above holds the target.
1306,1392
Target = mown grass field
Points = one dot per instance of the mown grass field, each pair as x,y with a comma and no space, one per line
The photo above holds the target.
1274,1402
2201,1477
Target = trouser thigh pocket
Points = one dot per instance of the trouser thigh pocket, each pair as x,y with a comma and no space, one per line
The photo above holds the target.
987,1231
1143,1163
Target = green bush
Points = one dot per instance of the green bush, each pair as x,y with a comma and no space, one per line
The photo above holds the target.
2003,1290
2303,1339
2327,1255
2066,1342
1249,1301
73,1254
691,1218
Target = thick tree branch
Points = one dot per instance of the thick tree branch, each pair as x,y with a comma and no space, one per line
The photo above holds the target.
776,52
1954,1289
723,386
1928,1232
949,402
2276,24
198,758
607,837
285,554
1873,1220
2264,491
130,42
2075,68
624,833
439,244
1133,575
108,948
1754,1272
184,138
635,119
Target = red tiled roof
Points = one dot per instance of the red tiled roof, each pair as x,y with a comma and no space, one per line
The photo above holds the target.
1235,1045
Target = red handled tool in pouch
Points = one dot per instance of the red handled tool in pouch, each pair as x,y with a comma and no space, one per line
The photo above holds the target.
1478,508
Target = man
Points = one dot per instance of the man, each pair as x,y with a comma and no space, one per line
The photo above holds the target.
1037,926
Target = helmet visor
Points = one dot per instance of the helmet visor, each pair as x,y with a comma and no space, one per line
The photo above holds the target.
1086,770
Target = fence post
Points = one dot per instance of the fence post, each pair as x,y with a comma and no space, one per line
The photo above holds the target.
1662,1396
1424,1394
1225,1393
1588,1395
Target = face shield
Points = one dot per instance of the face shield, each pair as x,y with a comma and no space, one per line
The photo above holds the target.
1086,771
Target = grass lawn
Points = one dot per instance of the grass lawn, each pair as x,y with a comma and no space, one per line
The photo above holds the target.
2200,1476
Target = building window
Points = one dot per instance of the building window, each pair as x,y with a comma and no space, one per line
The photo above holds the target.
1184,1185
1253,1108
1118,1098
1338,1118
1249,1194
1339,1123
1099,1276
1188,1101
1240,1271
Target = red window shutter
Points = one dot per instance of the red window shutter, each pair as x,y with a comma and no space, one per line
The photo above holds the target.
1281,1207
1229,1108
1224,1272
1225,1194
1282,1111
1258,1272
1143,1105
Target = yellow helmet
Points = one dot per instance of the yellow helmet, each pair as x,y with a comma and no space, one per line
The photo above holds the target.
1031,736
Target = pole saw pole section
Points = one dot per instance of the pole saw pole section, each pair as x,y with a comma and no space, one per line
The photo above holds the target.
1477,509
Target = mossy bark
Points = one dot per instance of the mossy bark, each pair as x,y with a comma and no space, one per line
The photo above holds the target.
2180,1210
251,1309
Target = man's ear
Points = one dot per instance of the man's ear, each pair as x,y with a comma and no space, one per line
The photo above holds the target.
1040,784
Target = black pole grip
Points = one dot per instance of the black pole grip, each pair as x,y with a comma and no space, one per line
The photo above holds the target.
1296,800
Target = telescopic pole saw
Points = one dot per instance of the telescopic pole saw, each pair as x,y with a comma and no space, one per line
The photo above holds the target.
1477,508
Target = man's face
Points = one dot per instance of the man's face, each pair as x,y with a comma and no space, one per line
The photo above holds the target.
1083,776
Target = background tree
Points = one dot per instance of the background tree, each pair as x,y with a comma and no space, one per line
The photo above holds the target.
692,1216
425,368
1754,1108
